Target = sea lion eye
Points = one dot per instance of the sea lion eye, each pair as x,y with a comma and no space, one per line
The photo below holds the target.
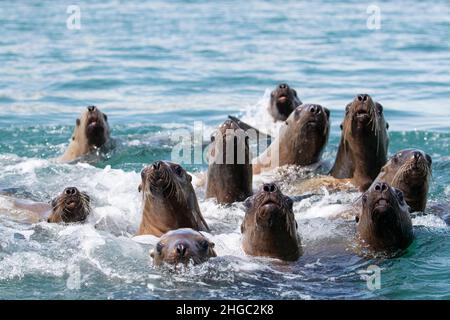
364,198
290,203
399,195
179,171
159,247
204,244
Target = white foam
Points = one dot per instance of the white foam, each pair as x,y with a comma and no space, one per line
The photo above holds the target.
429,220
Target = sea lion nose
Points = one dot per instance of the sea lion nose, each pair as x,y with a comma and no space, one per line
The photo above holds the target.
282,86
181,250
91,108
314,109
362,97
70,191
417,155
381,186
157,164
270,187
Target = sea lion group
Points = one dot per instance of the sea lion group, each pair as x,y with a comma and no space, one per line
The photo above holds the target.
391,189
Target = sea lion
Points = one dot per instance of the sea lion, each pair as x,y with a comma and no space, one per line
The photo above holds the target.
91,133
269,228
300,142
69,207
384,222
410,171
229,177
283,100
183,246
169,200
364,142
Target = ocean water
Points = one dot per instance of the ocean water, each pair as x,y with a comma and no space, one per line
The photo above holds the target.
159,66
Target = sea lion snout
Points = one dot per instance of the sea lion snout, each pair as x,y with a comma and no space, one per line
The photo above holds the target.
362,97
71,191
270,187
381,187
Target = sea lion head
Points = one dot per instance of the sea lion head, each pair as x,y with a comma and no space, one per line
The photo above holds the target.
410,171
183,246
283,100
70,206
309,127
170,201
165,179
229,177
363,116
269,227
92,127
364,142
229,135
385,222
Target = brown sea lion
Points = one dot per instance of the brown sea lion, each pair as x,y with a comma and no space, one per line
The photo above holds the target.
384,223
410,171
283,100
229,177
269,228
69,207
364,142
183,246
169,200
91,133
300,142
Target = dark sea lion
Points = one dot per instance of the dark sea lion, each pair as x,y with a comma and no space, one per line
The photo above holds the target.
410,171
69,207
283,100
229,177
91,133
169,200
300,142
364,142
384,223
183,246
269,228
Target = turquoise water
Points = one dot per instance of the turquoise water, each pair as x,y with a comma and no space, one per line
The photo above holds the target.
155,67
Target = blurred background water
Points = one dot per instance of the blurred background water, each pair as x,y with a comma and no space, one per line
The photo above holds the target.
156,66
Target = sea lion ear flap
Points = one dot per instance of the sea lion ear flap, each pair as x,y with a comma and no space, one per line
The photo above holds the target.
140,187
189,177
152,254
387,125
357,218
78,122
105,117
295,92
341,126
